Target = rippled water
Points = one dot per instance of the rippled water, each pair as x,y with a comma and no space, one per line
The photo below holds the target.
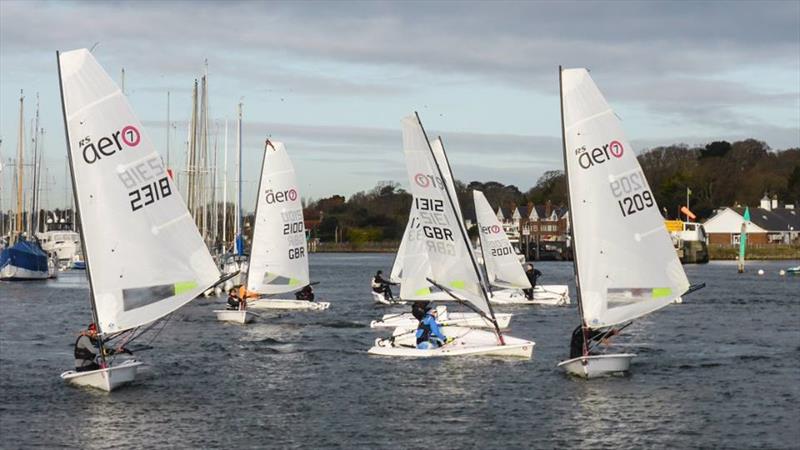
720,370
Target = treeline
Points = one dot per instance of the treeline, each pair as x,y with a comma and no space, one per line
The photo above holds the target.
718,174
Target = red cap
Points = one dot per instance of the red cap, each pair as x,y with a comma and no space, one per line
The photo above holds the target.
92,327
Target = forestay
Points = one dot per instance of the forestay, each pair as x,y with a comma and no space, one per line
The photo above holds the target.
502,266
278,258
444,242
627,266
145,255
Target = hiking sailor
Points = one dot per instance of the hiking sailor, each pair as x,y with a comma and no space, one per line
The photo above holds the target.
577,343
533,275
307,293
381,286
87,348
429,336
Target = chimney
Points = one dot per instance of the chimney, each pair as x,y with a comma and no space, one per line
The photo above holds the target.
548,206
765,203
775,201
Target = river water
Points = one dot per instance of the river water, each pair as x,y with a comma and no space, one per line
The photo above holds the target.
720,370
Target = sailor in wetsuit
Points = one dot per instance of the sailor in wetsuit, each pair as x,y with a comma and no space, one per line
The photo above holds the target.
86,350
429,335
381,286
576,343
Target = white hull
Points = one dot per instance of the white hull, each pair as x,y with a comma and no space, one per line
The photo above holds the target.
407,321
597,365
286,304
380,299
232,315
106,379
14,273
554,295
488,346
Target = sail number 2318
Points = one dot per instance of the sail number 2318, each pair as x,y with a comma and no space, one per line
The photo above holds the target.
632,193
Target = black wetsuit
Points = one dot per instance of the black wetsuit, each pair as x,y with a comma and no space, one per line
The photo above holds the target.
576,343
381,286
532,275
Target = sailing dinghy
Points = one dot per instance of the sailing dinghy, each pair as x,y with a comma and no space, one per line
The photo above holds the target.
451,262
279,256
625,264
503,269
144,255
418,287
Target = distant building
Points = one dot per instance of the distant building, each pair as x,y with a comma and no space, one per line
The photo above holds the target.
530,224
769,224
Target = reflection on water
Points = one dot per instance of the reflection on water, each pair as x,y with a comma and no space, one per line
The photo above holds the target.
719,370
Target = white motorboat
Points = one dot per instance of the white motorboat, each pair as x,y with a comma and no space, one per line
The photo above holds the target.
106,379
633,269
131,211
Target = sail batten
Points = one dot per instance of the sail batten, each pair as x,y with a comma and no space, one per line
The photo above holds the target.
627,265
143,260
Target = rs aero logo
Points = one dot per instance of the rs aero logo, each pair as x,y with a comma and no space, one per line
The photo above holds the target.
494,229
92,152
425,181
280,196
599,155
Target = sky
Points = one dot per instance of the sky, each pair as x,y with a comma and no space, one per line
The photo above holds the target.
333,79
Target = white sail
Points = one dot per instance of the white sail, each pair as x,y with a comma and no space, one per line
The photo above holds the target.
627,266
502,266
396,275
278,258
446,246
145,256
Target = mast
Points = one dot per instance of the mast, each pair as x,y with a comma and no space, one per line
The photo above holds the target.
239,218
225,192
461,226
571,220
78,206
20,167
169,128
267,144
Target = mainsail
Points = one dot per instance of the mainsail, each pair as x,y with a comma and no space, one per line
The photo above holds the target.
278,258
502,266
144,254
626,265
442,234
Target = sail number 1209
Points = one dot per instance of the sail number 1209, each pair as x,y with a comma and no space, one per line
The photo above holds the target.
149,193
635,203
